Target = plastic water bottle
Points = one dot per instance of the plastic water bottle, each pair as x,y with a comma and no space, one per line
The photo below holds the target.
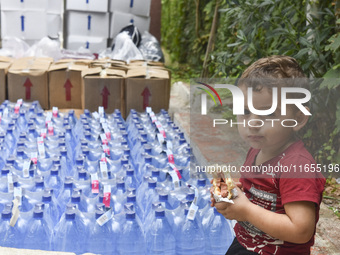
119,197
65,194
102,239
4,225
71,235
38,235
218,233
52,209
131,240
190,238
204,193
54,181
159,237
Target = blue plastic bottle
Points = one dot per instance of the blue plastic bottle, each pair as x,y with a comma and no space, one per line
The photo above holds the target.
102,239
54,181
131,240
71,235
159,237
190,238
218,233
38,235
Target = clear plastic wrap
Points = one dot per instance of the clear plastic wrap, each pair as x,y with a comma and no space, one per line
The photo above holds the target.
13,47
45,48
150,48
125,49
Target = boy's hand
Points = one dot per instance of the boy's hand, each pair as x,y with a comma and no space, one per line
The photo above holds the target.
237,211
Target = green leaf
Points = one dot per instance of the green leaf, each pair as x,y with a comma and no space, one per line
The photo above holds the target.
331,79
334,43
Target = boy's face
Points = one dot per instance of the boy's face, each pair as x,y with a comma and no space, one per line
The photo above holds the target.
272,136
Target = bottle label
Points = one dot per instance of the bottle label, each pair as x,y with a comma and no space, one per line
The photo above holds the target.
103,158
55,112
50,129
106,149
192,211
96,115
18,194
6,112
10,184
103,170
17,108
148,109
43,132
34,158
171,158
101,111
26,168
160,138
48,118
169,145
20,101
15,212
95,183
41,147
102,120
107,195
153,119
104,139
108,134
175,170
105,217
175,179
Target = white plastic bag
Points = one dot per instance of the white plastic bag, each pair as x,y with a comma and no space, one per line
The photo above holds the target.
125,49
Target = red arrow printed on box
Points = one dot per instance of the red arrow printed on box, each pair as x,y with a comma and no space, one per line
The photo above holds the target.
68,86
146,97
28,84
105,93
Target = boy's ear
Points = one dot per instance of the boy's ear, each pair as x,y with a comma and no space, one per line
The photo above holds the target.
301,119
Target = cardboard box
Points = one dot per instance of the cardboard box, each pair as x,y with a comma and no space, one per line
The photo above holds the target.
119,5
24,24
145,87
136,7
28,79
41,5
104,87
65,85
90,24
120,20
94,44
4,66
88,6
30,25
140,7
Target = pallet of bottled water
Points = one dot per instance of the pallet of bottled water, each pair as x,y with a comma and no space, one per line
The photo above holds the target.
102,184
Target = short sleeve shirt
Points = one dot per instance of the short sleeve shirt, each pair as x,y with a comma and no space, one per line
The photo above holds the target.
292,180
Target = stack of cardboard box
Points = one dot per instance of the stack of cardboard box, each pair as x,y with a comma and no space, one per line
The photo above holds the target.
31,20
129,11
87,24
84,84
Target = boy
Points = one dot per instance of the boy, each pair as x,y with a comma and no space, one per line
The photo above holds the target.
277,213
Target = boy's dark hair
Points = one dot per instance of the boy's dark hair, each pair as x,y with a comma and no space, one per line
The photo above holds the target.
274,71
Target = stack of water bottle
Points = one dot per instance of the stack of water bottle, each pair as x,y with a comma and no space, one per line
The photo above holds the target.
104,185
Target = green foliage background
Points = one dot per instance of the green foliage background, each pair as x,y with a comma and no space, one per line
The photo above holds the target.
249,30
